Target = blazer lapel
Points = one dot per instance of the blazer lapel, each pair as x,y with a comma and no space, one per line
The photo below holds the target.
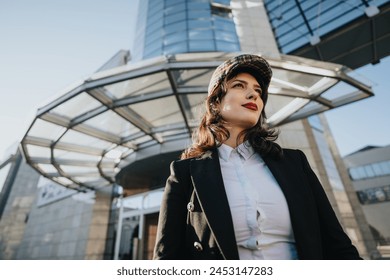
208,183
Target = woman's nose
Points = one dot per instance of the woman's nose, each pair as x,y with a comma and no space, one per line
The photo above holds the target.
251,94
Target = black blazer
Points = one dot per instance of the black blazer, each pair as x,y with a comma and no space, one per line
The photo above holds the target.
195,220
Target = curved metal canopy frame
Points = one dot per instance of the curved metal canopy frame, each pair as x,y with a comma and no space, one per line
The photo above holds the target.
83,138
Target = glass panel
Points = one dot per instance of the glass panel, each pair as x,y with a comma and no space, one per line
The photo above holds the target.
157,17
194,14
37,151
196,77
193,106
111,122
315,123
157,6
176,27
46,130
63,181
369,171
173,132
198,6
174,38
155,26
385,166
77,105
92,181
303,80
377,169
168,111
361,172
152,52
227,46
206,45
47,168
179,16
142,139
226,36
82,139
339,90
169,3
329,164
154,39
80,170
199,23
200,34
179,7
353,174
310,109
176,48
286,19
142,85
109,172
60,154
115,153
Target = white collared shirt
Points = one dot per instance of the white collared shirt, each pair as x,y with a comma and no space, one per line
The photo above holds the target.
259,209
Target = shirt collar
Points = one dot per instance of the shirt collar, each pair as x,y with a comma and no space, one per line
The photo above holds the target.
244,149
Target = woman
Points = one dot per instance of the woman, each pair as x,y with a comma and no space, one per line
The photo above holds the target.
235,193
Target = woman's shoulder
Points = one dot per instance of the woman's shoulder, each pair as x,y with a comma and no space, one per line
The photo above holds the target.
295,154
205,155
289,151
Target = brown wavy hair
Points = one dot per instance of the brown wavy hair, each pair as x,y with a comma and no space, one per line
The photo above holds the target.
211,132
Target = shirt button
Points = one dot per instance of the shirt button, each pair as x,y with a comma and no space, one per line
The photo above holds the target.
198,246
190,206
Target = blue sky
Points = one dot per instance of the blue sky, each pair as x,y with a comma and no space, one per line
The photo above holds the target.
47,45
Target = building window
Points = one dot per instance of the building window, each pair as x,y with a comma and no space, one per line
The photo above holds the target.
370,170
374,195
221,10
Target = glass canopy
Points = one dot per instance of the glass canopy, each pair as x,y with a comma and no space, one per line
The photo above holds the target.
83,138
296,23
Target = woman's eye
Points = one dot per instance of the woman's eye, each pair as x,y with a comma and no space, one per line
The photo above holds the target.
238,85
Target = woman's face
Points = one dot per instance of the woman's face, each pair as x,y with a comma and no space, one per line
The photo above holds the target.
242,105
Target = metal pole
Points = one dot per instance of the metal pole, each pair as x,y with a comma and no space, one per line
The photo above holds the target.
119,228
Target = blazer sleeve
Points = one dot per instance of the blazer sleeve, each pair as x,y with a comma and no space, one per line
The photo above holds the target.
170,239
336,244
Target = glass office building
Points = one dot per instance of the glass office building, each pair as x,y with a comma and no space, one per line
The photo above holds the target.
369,170
109,139
171,27
350,32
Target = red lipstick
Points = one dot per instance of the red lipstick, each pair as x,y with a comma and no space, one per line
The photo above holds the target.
251,106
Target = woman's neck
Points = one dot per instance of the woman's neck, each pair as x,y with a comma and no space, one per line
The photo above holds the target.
235,138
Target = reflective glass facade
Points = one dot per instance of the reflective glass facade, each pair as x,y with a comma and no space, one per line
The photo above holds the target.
326,154
176,26
298,22
370,170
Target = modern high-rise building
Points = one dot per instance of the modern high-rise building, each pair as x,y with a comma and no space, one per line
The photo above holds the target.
369,170
110,138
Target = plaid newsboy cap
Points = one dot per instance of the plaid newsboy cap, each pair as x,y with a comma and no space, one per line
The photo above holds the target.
256,64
